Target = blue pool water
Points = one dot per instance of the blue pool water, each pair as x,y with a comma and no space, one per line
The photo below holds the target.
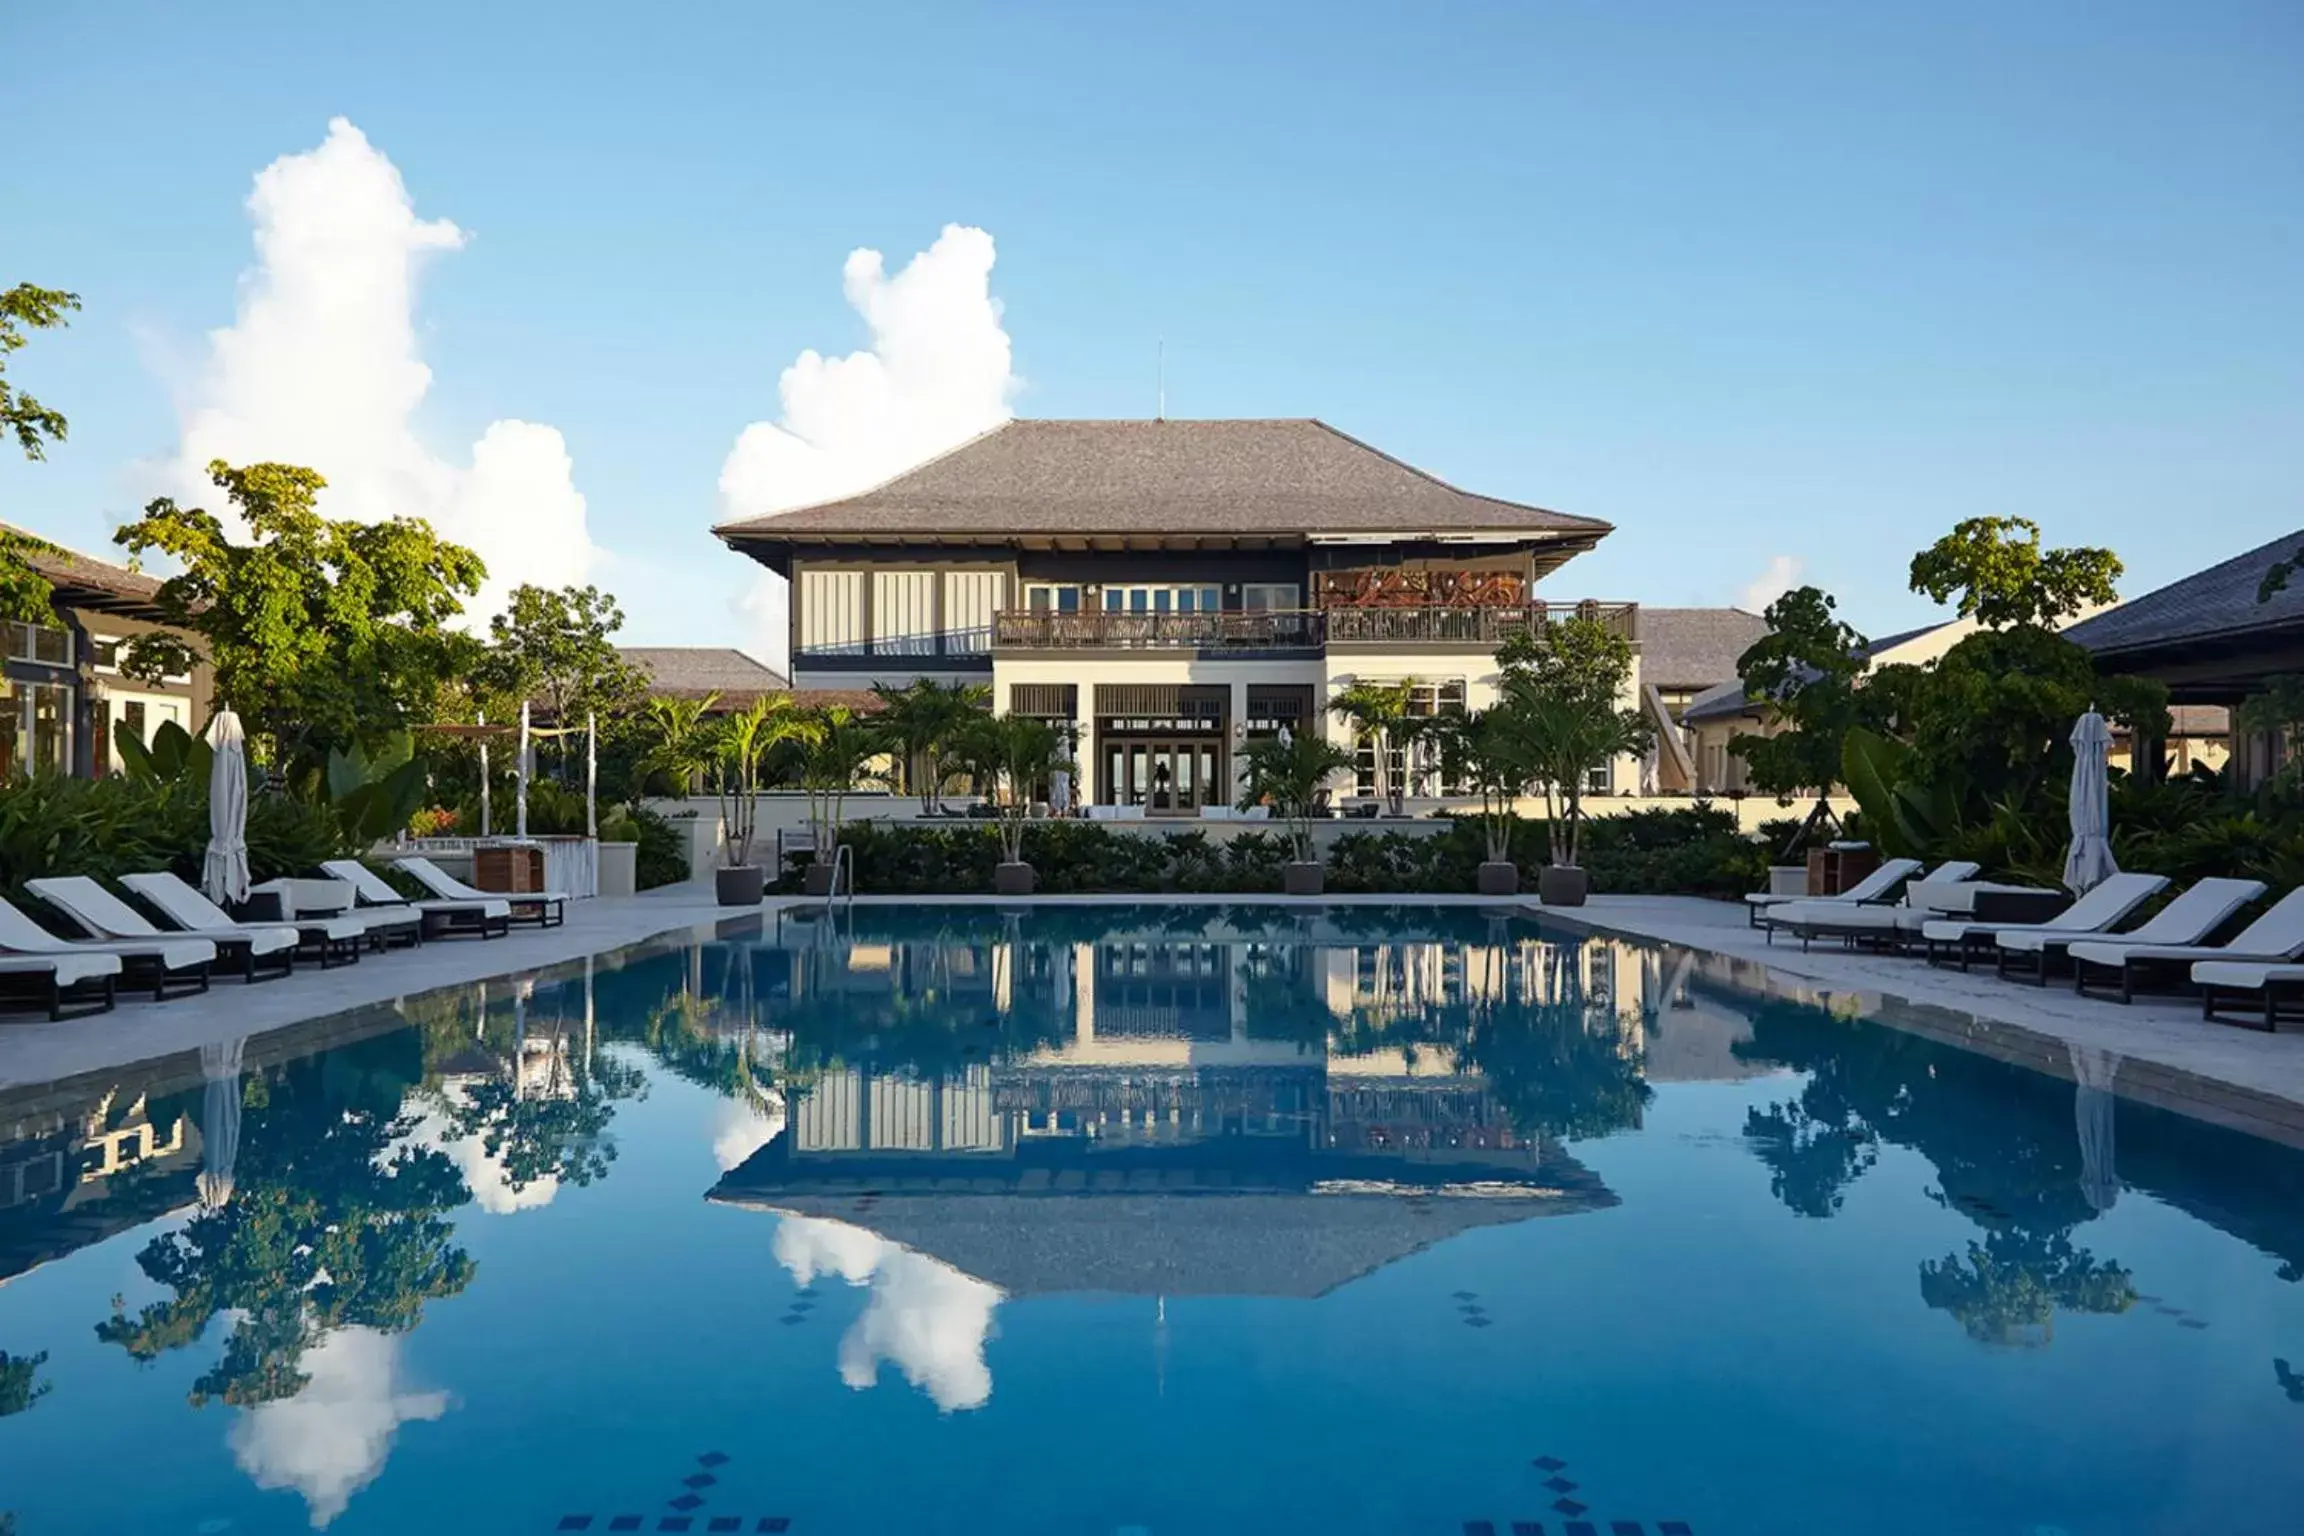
1138,1220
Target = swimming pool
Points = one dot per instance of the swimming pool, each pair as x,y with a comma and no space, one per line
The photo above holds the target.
1152,1220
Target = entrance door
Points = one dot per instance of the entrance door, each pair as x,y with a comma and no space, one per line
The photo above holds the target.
1168,776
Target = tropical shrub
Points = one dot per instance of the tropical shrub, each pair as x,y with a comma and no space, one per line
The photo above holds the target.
109,827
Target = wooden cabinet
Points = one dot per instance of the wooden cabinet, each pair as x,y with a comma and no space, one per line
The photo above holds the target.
515,870
1833,870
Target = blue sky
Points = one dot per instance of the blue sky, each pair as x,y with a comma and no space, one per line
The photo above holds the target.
1750,281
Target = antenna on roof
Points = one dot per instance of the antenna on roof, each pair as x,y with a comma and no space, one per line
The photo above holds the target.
1160,379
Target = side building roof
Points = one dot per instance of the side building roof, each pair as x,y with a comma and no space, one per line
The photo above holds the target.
2216,604
1694,647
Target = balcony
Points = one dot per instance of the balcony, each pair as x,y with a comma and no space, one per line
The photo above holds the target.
1295,629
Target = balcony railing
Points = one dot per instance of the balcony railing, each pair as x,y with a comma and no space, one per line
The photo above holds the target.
1294,629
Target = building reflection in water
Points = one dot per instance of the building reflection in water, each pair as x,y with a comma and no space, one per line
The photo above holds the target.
975,1118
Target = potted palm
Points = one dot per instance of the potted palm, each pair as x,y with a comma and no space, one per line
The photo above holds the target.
1490,752
1289,771
737,744
1380,712
836,751
1013,755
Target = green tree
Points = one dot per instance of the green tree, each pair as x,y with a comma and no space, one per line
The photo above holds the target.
736,747
25,595
1565,683
1490,752
1290,772
1808,674
678,737
322,633
923,723
554,647
25,307
20,1384
1014,756
1996,571
1380,713
837,749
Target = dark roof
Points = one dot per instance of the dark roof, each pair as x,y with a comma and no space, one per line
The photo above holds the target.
1076,480
83,581
1722,701
1694,647
692,671
2216,603
1881,643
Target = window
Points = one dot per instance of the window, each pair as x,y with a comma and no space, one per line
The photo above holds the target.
106,649
1192,599
43,643
1265,596
1420,776
35,727
1052,597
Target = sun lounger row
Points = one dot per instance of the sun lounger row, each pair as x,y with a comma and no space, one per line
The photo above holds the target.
201,939
2262,964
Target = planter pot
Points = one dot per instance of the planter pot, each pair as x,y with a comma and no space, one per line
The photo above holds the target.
1011,879
1302,879
816,880
1499,877
740,885
1562,885
619,869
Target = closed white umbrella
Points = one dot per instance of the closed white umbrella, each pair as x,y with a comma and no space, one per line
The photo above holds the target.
2088,863
1059,792
224,874
219,1121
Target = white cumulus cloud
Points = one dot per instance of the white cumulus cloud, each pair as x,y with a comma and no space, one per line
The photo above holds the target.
923,1316
485,1176
938,371
321,367
742,1128
1783,574
331,1439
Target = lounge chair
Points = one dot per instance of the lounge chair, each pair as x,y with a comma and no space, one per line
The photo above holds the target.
329,938
162,961
302,900
490,918
1880,885
59,981
108,917
2272,985
1882,925
2104,907
2273,939
2190,919
546,909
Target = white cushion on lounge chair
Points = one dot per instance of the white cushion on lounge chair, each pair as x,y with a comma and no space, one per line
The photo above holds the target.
18,932
95,907
2188,919
1869,889
188,909
377,891
2278,935
2108,903
2246,975
69,970
440,883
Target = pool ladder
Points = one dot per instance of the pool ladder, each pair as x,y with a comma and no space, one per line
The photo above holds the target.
843,858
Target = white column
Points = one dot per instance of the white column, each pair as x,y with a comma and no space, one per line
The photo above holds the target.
484,826
591,774
522,823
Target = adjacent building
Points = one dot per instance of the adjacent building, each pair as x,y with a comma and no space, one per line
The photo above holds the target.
63,698
1170,590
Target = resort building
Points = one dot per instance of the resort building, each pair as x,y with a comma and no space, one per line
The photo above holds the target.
723,674
63,698
1169,590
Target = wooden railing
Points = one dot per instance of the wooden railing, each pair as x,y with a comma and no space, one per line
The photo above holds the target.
1294,628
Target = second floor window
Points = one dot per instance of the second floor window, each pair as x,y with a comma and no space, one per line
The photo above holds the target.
1270,596
41,643
1048,597
1164,599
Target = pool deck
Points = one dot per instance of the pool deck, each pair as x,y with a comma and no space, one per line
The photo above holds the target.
2235,1076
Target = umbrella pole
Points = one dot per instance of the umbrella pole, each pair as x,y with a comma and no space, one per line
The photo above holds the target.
522,832
484,830
591,774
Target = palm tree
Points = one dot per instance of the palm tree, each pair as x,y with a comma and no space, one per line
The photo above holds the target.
922,724
1290,770
1380,711
1014,754
681,749
836,749
739,743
